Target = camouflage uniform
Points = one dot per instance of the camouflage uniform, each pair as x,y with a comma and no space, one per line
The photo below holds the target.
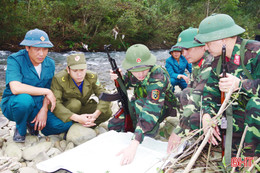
191,96
152,102
246,108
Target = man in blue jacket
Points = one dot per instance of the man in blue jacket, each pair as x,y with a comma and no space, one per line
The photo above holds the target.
176,65
27,94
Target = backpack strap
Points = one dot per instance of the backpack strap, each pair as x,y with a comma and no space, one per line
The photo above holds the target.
242,56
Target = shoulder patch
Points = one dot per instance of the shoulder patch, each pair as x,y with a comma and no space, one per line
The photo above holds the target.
155,94
62,79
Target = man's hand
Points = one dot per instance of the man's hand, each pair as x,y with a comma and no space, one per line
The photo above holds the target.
41,118
114,76
207,122
128,153
183,77
225,83
173,142
52,99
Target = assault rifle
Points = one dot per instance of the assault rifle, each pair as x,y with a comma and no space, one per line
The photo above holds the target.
223,120
121,95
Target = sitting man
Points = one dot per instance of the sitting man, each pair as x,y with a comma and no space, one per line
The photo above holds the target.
27,95
153,98
176,65
190,97
74,88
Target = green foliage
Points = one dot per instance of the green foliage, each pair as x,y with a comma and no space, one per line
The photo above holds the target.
156,23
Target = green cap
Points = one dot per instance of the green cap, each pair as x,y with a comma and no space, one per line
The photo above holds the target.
216,27
175,48
76,61
138,58
186,38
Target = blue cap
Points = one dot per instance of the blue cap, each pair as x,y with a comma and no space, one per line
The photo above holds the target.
36,38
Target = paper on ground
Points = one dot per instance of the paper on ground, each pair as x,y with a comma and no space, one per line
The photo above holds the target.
99,156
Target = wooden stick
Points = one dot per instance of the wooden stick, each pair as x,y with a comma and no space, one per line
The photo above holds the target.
240,146
196,155
253,165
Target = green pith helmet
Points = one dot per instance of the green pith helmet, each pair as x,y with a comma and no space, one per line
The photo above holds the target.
76,61
216,27
186,38
138,58
36,38
175,48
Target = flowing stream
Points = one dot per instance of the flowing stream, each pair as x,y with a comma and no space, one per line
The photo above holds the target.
96,61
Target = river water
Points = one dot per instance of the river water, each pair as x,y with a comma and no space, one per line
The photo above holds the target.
96,61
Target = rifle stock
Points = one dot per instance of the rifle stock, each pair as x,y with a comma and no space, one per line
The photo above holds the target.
125,104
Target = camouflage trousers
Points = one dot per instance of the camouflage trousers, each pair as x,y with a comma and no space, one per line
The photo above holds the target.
252,119
118,124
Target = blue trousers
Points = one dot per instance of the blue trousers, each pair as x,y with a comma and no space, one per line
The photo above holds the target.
180,82
22,109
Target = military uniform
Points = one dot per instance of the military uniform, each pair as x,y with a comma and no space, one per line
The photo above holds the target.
153,101
246,109
153,98
70,100
191,96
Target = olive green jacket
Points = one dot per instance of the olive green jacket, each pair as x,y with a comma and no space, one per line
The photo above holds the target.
65,89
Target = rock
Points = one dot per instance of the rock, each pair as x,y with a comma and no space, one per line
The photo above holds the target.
27,170
29,140
79,134
12,150
69,146
1,142
7,171
63,144
53,152
41,157
54,138
30,153
3,121
99,130
4,132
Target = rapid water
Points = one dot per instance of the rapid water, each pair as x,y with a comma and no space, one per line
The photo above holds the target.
96,61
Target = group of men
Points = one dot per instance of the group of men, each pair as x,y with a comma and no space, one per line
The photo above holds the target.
36,99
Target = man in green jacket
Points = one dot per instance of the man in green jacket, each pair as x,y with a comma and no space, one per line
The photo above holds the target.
243,70
190,97
74,89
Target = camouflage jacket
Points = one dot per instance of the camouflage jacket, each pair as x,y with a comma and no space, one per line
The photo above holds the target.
200,74
152,97
211,95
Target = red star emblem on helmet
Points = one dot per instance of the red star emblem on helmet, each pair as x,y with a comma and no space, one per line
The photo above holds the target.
138,60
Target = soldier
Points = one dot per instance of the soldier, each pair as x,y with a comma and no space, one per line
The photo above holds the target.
190,97
153,97
74,89
176,65
27,95
243,69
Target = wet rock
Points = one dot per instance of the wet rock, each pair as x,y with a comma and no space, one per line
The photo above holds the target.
63,145
79,134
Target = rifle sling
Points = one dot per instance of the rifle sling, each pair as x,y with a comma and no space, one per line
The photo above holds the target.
228,139
242,56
